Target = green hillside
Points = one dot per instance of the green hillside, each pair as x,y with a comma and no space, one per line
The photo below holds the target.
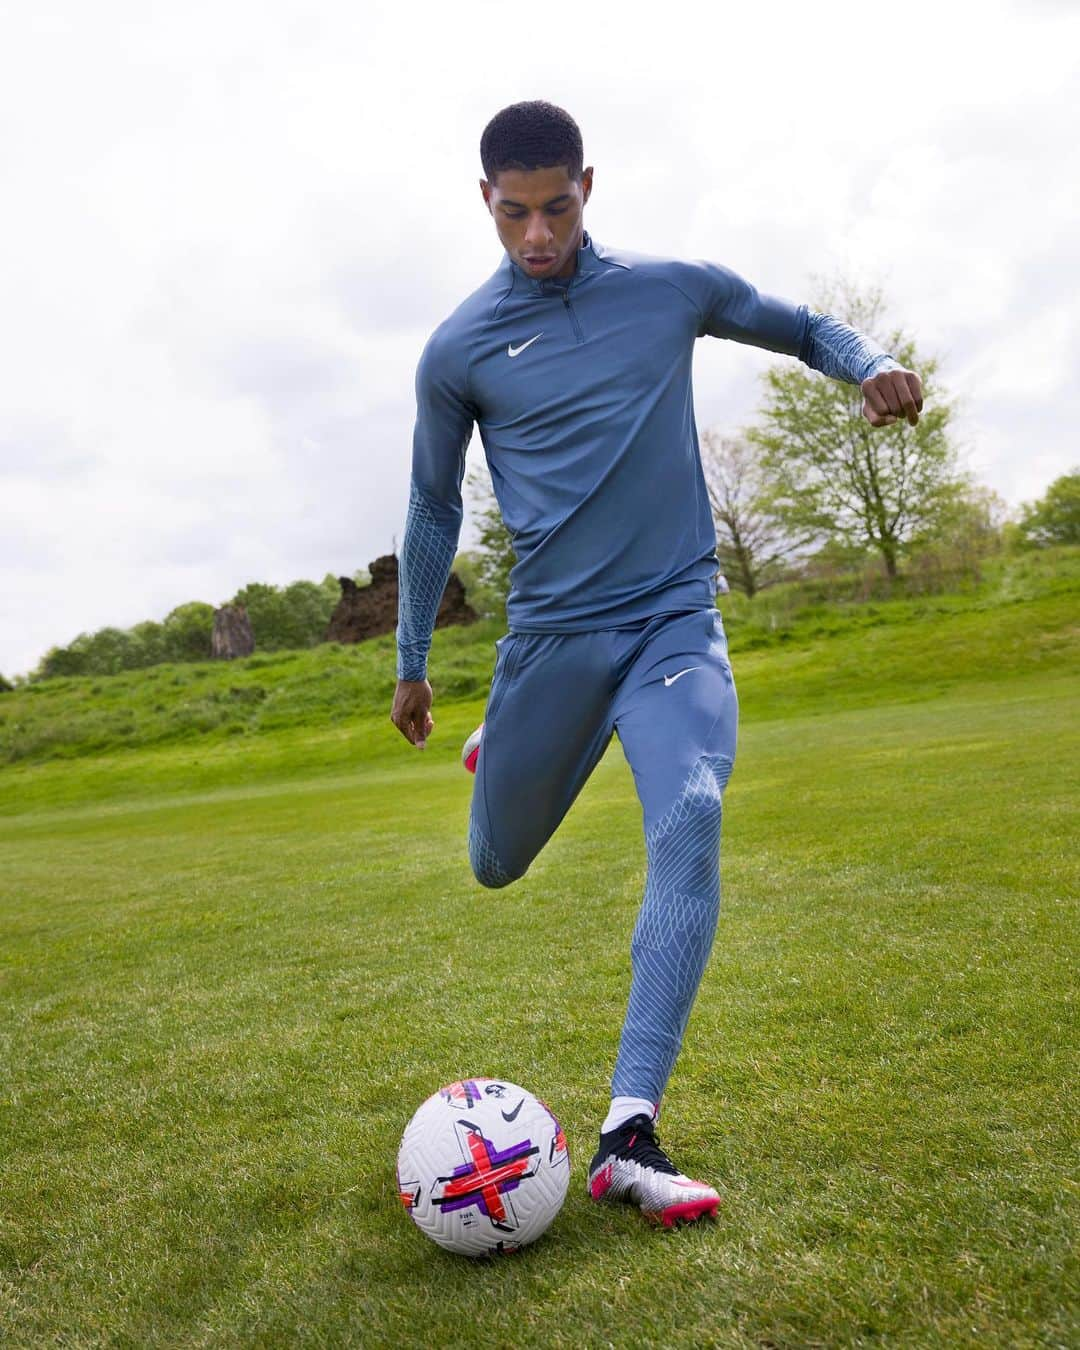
240,943
793,653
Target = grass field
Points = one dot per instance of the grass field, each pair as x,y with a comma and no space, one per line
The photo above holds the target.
233,962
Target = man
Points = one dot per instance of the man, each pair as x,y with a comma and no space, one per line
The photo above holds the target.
575,362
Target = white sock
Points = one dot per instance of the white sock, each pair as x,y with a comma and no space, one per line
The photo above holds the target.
625,1108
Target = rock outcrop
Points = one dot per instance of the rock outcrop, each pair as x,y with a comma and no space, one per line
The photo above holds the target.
232,635
369,611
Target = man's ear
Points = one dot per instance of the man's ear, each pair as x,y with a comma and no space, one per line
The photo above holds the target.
485,192
586,184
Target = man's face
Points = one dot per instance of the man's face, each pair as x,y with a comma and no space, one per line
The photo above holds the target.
538,216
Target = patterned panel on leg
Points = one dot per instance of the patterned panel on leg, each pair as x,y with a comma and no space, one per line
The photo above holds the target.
485,862
674,931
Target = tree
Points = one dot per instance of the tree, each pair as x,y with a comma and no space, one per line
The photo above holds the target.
1055,517
187,632
970,522
289,617
494,556
104,652
833,474
753,545
467,566
148,641
306,607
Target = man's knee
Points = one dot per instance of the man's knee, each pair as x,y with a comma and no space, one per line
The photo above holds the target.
694,816
487,867
684,845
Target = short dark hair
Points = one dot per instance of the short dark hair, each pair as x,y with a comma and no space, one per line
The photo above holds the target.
535,135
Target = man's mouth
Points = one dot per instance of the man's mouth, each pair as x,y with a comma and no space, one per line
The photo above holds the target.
538,262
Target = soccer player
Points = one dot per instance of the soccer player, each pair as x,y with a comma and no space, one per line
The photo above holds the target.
574,360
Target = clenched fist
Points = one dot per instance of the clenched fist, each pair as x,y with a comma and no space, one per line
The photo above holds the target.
891,395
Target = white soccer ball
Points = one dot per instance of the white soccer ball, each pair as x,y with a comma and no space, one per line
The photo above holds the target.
483,1167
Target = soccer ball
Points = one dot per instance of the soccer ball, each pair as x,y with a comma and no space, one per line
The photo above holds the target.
483,1167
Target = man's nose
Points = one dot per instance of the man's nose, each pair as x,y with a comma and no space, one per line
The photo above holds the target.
538,233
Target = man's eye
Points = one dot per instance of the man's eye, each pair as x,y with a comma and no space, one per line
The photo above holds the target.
513,215
557,211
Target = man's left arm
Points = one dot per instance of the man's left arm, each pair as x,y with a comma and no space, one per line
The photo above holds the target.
732,308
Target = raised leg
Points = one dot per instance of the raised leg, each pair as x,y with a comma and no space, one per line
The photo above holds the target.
547,723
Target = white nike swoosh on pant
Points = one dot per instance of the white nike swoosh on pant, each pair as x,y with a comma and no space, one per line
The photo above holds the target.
670,679
511,350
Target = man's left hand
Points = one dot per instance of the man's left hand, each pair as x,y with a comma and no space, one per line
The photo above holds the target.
891,395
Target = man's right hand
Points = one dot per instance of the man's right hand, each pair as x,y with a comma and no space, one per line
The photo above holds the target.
411,713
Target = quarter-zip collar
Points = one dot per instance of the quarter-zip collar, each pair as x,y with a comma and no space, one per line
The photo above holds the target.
588,261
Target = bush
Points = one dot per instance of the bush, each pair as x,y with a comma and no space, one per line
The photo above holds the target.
1055,517
186,633
289,617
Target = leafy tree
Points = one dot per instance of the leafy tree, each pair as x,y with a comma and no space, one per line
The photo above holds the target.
6,687
1055,517
288,617
187,631
832,473
969,523
754,546
58,661
148,643
109,651
495,553
184,636
263,604
307,607
467,566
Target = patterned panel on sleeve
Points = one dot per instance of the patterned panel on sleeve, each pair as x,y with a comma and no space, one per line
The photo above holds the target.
837,350
427,552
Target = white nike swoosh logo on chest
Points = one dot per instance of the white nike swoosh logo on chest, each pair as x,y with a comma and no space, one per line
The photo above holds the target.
511,350
669,680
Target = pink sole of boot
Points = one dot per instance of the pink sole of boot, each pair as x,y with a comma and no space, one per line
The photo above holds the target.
688,1212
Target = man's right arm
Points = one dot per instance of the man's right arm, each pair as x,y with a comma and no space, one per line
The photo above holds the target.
444,422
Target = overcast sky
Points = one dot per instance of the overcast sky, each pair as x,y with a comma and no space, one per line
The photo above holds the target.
229,226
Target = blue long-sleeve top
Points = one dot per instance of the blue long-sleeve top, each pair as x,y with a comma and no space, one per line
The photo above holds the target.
581,389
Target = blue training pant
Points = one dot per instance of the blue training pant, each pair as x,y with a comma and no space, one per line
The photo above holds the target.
665,687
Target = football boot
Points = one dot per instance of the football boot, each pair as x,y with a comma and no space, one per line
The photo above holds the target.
470,751
631,1166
